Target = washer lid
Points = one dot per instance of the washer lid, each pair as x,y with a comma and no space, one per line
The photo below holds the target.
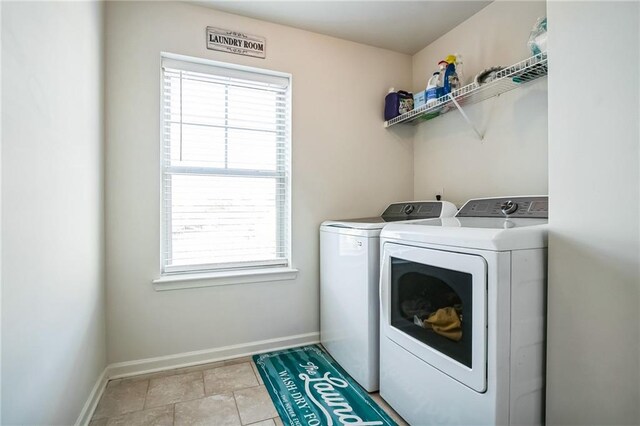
484,233
359,223
396,212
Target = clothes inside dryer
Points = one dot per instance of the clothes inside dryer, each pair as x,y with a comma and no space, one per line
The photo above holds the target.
433,305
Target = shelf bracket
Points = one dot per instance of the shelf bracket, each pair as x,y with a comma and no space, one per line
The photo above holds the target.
466,118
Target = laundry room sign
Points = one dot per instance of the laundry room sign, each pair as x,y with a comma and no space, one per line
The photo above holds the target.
235,42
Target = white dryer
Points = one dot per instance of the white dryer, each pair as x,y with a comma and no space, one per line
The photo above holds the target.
463,314
349,277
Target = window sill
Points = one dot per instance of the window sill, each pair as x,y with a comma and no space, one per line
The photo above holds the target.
212,279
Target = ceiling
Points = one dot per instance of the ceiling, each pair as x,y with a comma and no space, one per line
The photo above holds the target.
403,26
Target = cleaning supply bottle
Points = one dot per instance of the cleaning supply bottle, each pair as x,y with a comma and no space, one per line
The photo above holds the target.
442,66
459,69
450,81
433,87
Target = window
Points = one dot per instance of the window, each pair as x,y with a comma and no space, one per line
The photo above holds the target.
225,167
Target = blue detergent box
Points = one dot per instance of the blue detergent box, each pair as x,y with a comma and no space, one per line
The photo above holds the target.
419,99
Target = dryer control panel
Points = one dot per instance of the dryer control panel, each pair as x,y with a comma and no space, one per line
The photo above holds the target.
534,207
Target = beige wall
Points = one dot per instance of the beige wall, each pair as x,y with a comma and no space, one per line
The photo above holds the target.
512,158
593,371
53,319
344,164
52,188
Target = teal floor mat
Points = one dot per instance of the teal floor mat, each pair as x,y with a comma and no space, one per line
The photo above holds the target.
309,388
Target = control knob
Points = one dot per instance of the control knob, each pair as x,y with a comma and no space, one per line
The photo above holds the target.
508,207
408,209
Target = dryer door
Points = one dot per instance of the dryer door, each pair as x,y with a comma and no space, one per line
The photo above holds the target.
434,305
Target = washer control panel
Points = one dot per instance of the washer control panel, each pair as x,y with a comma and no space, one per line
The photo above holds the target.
527,207
412,210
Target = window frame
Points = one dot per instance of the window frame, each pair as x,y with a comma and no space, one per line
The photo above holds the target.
235,272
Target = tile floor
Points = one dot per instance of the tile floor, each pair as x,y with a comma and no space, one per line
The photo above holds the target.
225,393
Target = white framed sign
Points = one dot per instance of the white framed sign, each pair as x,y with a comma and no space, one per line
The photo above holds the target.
235,42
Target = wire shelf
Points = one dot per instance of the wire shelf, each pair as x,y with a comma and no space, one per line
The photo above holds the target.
506,79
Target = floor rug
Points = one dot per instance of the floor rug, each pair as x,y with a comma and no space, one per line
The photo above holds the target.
309,388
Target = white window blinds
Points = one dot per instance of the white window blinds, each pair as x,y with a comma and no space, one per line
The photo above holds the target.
225,168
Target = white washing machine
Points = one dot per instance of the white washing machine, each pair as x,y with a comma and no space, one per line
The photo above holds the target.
462,315
349,277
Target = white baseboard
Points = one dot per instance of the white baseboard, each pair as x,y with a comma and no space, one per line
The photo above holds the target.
186,359
92,402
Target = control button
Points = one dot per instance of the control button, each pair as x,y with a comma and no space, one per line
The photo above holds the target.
408,209
508,207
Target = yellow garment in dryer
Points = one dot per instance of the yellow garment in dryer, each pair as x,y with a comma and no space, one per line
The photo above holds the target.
445,322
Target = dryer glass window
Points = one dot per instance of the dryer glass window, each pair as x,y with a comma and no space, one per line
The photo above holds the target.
434,306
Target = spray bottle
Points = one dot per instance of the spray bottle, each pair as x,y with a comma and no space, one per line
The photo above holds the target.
450,80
